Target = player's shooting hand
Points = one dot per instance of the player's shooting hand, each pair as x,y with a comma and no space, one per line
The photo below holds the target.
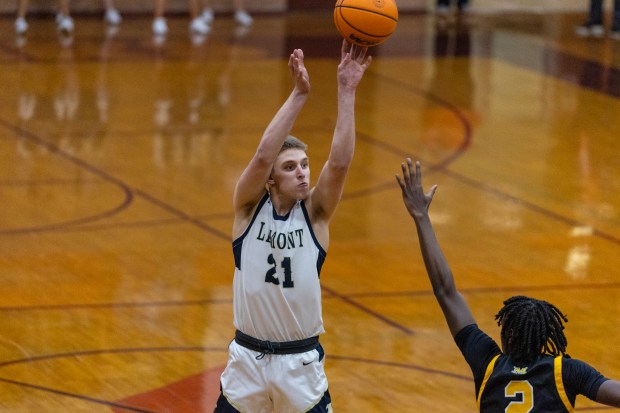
416,201
299,72
353,63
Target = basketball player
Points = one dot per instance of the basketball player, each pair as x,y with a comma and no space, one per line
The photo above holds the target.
242,17
531,373
196,25
64,21
280,240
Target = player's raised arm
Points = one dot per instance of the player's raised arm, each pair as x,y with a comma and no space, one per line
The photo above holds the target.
453,304
251,184
328,190
609,393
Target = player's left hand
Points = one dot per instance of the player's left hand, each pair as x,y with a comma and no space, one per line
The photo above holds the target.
298,71
416,201
353,63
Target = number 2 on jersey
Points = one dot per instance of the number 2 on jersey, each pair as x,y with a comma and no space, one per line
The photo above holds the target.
525,389
271,277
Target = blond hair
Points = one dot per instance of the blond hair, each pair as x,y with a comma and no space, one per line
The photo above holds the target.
292,142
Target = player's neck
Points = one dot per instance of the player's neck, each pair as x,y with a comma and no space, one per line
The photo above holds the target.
282,204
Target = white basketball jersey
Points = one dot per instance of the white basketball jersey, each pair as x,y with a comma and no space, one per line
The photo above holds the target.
277,294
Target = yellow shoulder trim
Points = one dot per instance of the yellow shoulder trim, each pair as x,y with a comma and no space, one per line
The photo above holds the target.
559,383
487,374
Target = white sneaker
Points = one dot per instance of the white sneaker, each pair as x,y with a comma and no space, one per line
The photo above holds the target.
20,41
66,40
159,40
113,17
208,15
198,39
20,25
199,26
159,26
590,30
65,25
243,18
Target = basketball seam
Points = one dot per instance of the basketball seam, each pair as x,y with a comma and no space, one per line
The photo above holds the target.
369,11
344,19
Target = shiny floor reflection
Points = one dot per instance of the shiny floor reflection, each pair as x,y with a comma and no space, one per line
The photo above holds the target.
120,152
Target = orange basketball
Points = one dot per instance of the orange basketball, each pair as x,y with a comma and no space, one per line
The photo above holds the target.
366,22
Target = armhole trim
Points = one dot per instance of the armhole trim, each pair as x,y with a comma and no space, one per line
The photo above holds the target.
314,238
487,374
238,242
559,383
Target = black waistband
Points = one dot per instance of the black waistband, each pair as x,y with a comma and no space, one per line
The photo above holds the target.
276,347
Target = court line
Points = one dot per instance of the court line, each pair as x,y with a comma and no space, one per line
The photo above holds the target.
385,145
129,192
373,141
333,357
200,224
527,204
329,293
494,290
73,395
384,363
367,310
54,149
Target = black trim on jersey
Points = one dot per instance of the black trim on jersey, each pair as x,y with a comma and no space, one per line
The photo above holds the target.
277,217
238,243
322,252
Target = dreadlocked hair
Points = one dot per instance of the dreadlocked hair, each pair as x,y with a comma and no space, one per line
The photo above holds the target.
531,327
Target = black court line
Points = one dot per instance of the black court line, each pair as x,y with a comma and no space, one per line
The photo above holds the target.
328,294
72,395
467,132
54,149
129,192
367,310
332,357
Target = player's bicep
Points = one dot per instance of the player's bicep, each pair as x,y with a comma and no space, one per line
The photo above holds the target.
251,185
327,193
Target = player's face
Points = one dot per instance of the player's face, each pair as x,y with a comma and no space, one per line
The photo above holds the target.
291,173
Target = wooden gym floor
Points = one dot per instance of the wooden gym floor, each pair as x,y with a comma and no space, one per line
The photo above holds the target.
119,154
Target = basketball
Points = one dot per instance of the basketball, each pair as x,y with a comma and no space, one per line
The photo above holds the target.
366,22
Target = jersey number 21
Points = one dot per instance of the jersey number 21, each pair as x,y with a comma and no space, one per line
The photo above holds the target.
271,275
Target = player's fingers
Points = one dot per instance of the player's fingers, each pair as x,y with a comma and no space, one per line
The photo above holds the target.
400,183
405,173
418,174
410,169
367,62
344,49
431,193
362,53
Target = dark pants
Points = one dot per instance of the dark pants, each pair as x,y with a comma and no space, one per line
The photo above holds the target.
596,13
460,3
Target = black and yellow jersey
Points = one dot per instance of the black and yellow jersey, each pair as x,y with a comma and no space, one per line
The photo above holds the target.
548,384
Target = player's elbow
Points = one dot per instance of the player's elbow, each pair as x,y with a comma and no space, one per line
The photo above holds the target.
445,292
340,164
263,158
